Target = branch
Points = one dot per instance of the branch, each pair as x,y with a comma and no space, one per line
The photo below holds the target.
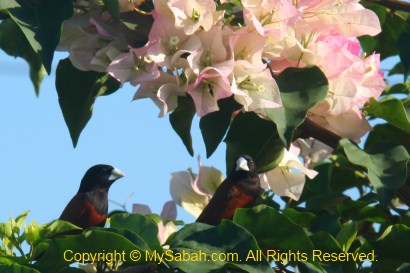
310,129
392,4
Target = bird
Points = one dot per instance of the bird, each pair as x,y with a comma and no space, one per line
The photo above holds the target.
89,207
239,190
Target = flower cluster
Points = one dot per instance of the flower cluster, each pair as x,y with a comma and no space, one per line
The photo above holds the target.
214,50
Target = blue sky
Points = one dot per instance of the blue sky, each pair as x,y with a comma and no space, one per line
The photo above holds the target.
40,169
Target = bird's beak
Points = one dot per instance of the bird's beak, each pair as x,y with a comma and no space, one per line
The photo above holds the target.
242,164
115,174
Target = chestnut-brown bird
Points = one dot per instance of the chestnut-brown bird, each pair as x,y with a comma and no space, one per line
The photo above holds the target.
89,207
239,190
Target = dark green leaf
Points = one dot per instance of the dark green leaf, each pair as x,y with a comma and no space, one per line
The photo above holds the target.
361,211
393,244
60,252
325,243
390,109
136,27
214,125
231,6
14,268
139,224
334,178
398,88
397,69
298,96
326,201
210,241
381,132
386,165
403,44
77,91
14,43
301,218
274,231
181,121
256,137
9,260
405,268
329,223
41,23
113,8
265,197
319,185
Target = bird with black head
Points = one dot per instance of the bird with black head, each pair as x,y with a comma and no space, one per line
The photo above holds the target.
239,190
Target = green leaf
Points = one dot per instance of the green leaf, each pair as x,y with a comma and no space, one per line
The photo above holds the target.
181,121
231,6
21,218
14,268
5,230
14,43
398,88
214,125
381,132
56,227
60,252
397,69
136,27
347,235
9,4
274,231
405,268
301,218
329,223
256,137
41,23
143,226
113,8
386,165
298,96
77,91
361,211
390,109
403,44
393,244
9,260
325,243
345,175
211,242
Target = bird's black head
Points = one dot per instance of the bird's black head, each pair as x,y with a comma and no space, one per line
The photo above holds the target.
99,177
244,166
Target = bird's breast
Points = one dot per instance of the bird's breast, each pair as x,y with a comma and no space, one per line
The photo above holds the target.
94,217
239,198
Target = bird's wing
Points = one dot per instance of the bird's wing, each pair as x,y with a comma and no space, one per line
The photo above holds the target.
218,202
75,211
